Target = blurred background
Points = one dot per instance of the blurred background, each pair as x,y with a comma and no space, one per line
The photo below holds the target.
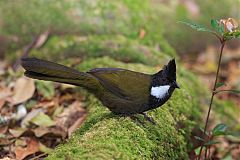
129,31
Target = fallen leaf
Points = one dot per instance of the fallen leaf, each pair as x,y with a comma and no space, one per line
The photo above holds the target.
77,123
17,132
72,117
44,148
23,152
3,129
7,158
2,102
27,119
41,119
50,131
21,142
23,90
4,93
5,140
58,111
46,88
45,104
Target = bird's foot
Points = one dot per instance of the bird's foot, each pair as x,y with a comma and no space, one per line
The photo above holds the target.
135,118
150,119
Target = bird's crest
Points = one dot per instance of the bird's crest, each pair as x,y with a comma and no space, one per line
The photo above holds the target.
170,70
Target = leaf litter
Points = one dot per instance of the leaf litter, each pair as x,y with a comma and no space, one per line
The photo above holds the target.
35,116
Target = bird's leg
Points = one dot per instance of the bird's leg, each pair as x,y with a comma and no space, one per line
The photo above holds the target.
135,118
150,119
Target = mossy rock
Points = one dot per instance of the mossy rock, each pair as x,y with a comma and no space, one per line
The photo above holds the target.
108,136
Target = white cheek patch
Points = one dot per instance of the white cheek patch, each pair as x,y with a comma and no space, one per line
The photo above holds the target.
160,91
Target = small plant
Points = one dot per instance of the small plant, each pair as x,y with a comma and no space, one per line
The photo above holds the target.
224,30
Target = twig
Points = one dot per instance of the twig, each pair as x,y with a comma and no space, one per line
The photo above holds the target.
26,51
39,156
36,42
215,34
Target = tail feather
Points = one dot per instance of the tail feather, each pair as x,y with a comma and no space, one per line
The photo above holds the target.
50,71
49,68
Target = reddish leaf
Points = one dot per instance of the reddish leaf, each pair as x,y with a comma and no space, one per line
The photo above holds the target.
32,147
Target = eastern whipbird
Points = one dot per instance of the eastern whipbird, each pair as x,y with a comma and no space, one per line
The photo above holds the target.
122,91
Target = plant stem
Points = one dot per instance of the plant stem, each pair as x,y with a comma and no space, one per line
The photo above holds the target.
213,93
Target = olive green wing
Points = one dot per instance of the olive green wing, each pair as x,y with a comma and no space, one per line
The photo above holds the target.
123,83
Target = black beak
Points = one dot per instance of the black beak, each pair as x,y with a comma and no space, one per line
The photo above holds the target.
176,85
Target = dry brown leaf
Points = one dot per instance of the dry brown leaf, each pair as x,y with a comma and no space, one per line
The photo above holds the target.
6,158
5,141
72,117
77,123
46,104
50,131
4,92
27,119
32,147
23,90
17,132
2,102
3,129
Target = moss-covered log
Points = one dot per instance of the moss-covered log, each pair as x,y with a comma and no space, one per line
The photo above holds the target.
108,136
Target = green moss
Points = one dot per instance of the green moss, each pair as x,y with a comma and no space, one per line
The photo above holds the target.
108,136
96,17
115,46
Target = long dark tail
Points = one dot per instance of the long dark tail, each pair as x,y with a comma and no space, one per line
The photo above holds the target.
49,71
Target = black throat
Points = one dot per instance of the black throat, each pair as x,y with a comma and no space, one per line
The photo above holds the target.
158,80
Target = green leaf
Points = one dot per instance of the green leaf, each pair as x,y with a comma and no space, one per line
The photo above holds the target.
220,84
209,143
197,150
228,35
216,26
233,133
43,120
219,129
231,35
214,23
197,27
199,138
237,34
235,91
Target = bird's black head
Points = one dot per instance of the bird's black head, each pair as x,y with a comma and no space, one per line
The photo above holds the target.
167,76
169,72
163,84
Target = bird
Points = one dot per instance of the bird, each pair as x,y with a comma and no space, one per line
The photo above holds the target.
122,91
